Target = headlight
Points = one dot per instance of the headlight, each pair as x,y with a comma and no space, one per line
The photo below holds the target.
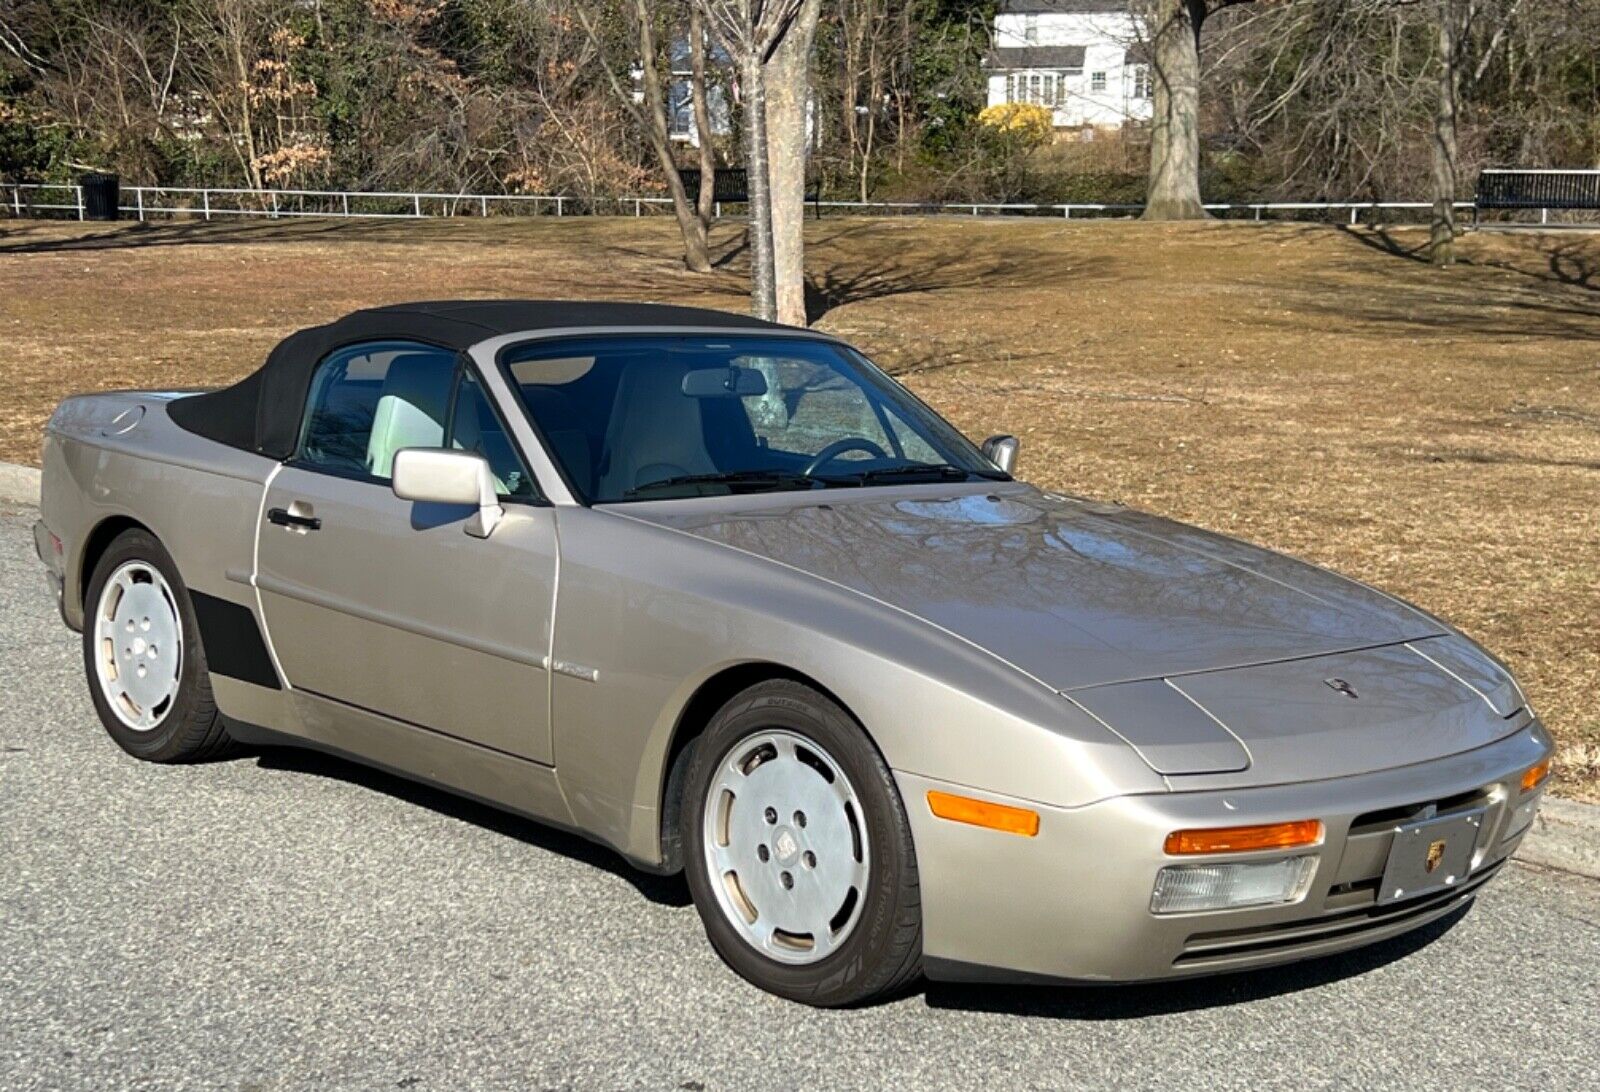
1228,886
1522,818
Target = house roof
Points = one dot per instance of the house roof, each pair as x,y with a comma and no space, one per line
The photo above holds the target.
1010,57
1063,7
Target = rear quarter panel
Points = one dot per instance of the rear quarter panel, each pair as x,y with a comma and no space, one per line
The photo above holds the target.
200,498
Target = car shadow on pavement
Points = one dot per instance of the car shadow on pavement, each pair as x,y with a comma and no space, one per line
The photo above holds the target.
664,890
1129,1002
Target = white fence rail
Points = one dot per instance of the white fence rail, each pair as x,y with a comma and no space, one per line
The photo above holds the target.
144,202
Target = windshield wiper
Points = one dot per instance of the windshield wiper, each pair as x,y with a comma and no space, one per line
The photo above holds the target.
728,477
910,472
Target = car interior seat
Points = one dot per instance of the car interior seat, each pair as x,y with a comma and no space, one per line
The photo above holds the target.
655,430
411,409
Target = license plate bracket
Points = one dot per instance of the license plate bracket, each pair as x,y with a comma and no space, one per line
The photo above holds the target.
1431,855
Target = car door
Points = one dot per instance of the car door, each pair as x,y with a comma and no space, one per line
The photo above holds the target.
387,605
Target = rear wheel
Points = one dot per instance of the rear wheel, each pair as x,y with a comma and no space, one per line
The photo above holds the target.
143,657
799,854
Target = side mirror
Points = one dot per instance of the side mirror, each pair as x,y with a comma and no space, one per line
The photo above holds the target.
441,476
1002,451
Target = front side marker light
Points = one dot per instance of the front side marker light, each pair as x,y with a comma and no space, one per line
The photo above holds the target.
1301,832
1535,775
983,813
1232,885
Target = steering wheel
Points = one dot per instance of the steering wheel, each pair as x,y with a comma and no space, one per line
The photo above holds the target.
838,448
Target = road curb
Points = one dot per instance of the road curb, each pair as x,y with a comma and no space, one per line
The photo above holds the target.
19,484
1565,836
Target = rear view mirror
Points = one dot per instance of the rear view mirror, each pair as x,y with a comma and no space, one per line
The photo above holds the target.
730,382
442,476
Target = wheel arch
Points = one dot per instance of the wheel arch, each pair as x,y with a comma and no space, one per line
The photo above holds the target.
95,545
710,696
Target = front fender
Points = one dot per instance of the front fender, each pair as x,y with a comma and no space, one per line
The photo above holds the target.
656,612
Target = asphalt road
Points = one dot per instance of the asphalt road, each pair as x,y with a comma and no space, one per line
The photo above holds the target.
286,921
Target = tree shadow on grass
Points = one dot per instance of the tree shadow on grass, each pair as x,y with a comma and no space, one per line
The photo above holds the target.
1092,1003
1572,262
857,263
1448,305
663,890
126,236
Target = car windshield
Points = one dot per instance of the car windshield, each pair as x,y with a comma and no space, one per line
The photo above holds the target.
633,418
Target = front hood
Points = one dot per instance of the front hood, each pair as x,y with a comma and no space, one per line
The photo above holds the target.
1074,593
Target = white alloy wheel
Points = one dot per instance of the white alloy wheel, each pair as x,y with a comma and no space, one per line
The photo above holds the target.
786,846
138,654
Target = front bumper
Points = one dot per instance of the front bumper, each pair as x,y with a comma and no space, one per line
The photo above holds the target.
1073,902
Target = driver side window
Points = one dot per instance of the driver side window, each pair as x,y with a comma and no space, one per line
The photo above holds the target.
476,427
370,401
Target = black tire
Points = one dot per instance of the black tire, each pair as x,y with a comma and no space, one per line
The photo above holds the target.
882,954
190,729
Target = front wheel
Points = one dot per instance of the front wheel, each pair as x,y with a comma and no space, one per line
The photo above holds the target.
142,653
799,857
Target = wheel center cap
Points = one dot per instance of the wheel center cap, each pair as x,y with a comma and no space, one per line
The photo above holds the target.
138,646
785,846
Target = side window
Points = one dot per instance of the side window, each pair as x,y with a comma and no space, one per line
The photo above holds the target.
475,427
369,401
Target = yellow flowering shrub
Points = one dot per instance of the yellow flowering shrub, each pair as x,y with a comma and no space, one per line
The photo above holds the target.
1029,121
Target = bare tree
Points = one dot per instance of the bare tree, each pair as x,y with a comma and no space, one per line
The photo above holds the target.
751,32
1454,18
788,103
693,223
865,30
13,42
705,200
1174,192
1456,23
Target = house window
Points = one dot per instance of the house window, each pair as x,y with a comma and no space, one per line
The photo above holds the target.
1141,82
1097,81
680,109
1030,29
1039,88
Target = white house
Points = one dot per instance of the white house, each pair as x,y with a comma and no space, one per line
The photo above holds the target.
1081,58
679,89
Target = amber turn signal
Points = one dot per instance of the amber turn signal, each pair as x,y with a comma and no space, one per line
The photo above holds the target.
981,813
1535,775
1301,832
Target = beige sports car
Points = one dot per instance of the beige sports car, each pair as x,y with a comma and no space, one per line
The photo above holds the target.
721,595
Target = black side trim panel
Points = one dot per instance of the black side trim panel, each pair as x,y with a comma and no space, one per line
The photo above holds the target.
233,641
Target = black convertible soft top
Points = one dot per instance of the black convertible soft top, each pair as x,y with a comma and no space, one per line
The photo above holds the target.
262,412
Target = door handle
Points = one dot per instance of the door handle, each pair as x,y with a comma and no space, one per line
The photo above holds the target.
285,518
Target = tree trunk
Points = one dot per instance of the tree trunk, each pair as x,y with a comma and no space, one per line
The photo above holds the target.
788,94
1175,126
763,290
705,200
696,253
1442,237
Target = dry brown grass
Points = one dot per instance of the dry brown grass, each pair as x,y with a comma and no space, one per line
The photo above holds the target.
1313,389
